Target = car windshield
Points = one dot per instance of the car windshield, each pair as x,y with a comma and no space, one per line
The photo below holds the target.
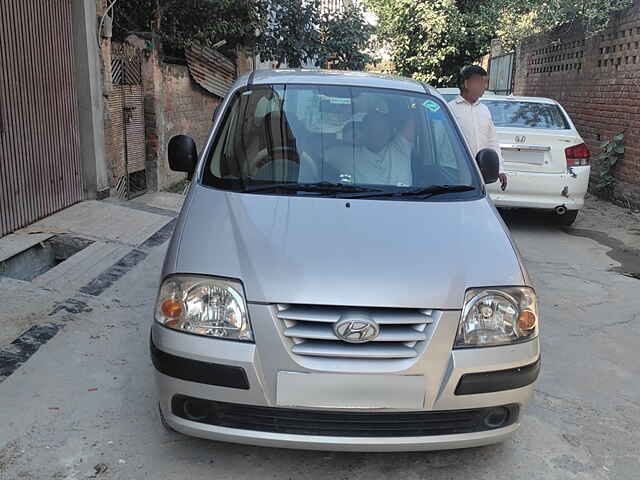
331,140
509,113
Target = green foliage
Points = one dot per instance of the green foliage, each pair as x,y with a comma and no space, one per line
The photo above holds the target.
290,34
522,18
432,39
178,23
290,31
612,153
344,37
295,33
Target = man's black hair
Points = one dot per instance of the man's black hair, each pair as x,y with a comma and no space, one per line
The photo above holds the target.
469,71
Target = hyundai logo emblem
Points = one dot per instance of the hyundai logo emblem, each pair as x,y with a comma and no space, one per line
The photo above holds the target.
356,328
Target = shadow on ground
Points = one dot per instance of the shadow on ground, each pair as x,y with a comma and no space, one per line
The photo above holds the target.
530,219
628,256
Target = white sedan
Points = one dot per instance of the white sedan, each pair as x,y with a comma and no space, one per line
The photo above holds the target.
546,160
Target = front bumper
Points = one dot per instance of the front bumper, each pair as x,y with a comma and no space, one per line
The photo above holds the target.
340,443
543,191
239,374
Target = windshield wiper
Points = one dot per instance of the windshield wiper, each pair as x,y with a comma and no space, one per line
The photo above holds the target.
423,192
319,187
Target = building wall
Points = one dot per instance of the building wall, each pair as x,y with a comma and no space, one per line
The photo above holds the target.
245,62
89,99
174,104
598,81
334,6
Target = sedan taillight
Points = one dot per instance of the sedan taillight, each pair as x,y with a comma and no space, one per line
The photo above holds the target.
577,156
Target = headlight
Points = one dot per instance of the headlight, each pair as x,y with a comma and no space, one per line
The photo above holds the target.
498,316
205,306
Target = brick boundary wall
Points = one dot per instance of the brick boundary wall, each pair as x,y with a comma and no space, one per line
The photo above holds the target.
597,80
174,104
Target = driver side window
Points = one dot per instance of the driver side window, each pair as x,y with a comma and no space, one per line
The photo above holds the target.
250,132
449,157
219,167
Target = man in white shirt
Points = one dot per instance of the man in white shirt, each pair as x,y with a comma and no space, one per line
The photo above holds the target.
474,117
377,156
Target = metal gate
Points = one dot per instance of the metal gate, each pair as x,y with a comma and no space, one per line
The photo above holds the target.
39,137
501,74
126,108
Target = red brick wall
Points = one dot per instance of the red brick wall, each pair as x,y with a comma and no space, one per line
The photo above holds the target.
597,80
187,109
244,62
174,104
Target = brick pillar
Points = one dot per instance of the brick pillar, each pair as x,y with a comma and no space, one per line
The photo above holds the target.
154,133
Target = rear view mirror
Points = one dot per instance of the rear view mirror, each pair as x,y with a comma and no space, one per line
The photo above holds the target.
489,164
182,154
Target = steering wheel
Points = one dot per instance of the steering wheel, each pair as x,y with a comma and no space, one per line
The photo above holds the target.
278,154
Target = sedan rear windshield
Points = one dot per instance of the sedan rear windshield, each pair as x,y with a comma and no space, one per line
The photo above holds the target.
337,139
508,113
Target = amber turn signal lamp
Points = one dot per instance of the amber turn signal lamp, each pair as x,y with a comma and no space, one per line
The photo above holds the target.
526,320
171,308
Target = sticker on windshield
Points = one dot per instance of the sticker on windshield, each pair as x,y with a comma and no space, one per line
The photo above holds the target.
431,105
340,101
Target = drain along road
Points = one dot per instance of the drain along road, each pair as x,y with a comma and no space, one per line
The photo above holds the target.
83,405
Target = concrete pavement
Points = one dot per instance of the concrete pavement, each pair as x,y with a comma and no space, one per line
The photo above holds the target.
83,405
114,228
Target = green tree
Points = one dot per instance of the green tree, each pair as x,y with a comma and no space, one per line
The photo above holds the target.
290,33
344,38
520,19
178,23
431,39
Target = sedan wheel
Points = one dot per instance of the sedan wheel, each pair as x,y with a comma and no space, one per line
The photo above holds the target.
567,219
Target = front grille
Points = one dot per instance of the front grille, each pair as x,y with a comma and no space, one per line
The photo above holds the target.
310,332
342,424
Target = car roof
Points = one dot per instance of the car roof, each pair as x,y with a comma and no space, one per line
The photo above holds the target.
333,77
510,98
513,98
456,91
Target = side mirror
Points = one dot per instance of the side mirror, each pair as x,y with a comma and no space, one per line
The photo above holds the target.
215,113
489,164
182,154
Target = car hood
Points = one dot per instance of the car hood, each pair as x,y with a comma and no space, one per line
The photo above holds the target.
327,251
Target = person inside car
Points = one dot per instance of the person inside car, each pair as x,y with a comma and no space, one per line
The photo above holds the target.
381,156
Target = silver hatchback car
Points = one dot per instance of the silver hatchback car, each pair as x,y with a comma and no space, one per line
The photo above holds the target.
338,277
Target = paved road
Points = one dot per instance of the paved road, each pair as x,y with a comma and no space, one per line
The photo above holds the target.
86,398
